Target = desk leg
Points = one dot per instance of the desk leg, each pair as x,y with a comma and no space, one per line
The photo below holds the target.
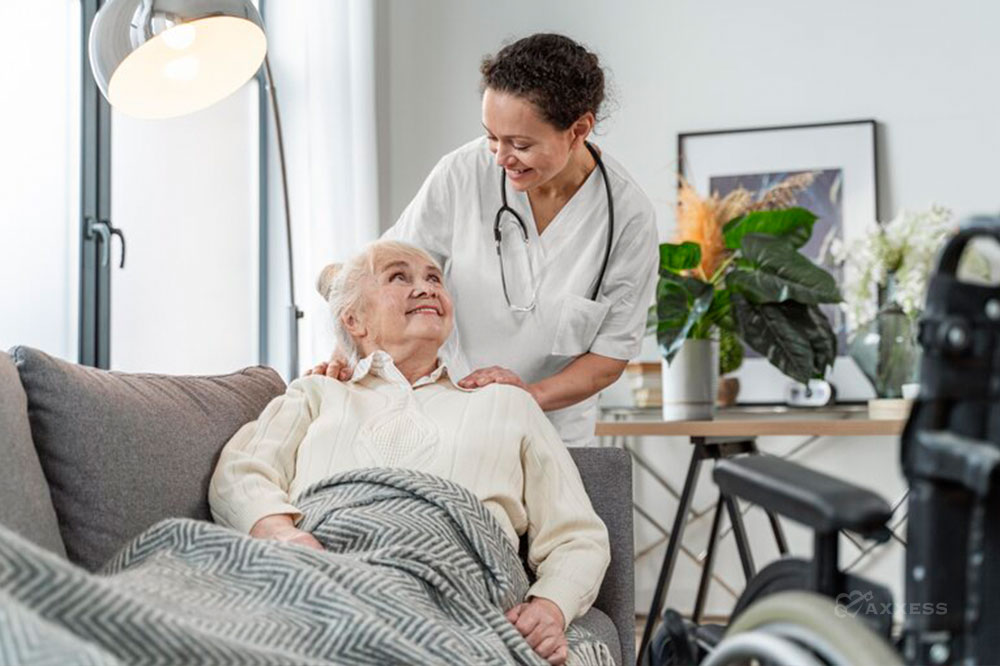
670,557
709,563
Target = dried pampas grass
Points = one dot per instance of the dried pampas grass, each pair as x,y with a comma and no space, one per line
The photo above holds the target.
784,194
701,220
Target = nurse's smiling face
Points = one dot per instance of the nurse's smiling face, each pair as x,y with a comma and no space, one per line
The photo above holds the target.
405,303
531,150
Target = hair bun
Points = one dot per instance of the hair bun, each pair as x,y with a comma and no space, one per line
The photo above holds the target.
324,284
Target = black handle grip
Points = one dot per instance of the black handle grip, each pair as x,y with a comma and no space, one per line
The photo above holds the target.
973,227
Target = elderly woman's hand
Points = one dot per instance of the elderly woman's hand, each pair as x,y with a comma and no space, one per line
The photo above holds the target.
541,623
280,527
495,375
337,367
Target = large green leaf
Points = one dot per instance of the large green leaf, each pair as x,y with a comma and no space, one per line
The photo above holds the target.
821,337
775,330
717,316
680,303
795,224
651,320
675,258
672,302
779,273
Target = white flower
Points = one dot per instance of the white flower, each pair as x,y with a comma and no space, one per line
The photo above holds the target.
905,248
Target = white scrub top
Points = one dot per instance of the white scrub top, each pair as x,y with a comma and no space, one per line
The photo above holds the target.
452,218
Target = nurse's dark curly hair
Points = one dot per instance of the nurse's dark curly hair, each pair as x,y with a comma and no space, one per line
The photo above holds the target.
560,77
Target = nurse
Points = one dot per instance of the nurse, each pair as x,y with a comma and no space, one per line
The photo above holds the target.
549,245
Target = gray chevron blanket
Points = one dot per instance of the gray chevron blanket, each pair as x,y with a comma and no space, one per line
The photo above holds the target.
416,571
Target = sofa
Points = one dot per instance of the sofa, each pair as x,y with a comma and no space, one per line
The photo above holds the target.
91,458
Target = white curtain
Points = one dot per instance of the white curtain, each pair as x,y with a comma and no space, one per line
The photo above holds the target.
322,55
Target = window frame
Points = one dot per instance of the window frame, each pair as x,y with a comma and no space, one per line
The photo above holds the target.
94,340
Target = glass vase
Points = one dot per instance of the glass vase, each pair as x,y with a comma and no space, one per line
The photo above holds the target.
887,352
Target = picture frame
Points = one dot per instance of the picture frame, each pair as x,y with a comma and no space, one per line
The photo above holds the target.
842,158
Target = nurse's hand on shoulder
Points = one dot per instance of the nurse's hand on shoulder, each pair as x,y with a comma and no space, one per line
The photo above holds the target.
336,368
494,375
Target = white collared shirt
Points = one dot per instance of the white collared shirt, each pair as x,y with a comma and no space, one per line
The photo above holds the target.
452,217
494,441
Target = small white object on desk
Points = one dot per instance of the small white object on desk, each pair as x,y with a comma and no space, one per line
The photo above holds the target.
817,393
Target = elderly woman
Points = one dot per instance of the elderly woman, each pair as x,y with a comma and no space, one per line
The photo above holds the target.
401,408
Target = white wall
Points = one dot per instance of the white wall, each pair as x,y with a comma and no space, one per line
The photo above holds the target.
923,69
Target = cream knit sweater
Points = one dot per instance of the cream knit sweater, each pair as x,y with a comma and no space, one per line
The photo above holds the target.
494,441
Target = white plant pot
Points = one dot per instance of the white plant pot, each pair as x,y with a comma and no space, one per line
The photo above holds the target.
691,382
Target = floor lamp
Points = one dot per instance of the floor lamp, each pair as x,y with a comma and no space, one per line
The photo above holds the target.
167,58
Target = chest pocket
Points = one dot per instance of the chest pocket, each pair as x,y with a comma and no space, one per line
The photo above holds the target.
579,320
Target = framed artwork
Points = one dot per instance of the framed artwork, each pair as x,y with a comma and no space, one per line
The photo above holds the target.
836,162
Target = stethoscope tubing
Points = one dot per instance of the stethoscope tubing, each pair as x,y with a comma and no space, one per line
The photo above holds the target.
524,228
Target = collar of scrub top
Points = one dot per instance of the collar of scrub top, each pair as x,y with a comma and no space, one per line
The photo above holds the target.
504,208
380,364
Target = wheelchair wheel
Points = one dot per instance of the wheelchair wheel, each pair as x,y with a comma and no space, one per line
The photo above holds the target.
792,574
785,575
784,628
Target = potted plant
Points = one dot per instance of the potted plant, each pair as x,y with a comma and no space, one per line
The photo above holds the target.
736,271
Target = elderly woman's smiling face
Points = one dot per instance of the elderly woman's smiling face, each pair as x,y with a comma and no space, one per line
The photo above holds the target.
405,302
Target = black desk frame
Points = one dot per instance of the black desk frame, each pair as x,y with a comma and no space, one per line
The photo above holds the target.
707,448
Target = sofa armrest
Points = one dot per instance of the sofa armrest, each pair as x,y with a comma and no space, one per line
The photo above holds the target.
607,476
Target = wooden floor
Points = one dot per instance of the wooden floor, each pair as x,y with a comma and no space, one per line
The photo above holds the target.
640,624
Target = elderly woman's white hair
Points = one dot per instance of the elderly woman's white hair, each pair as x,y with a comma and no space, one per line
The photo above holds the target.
342,285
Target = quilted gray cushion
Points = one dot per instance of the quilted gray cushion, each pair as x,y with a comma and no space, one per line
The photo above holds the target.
123,451
24,495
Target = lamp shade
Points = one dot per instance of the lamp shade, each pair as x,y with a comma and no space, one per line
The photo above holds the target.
166,58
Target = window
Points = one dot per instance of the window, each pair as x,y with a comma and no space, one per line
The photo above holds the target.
184,191
40,175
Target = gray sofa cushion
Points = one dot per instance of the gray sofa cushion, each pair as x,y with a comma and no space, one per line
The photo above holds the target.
607,476
605,630
24,495
123,451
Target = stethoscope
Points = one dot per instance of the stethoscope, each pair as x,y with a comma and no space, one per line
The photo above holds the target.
524,231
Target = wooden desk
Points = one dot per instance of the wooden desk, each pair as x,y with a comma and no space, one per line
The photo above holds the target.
752,427
748,421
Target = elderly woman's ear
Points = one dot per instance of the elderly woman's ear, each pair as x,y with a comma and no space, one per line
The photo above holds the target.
354,325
